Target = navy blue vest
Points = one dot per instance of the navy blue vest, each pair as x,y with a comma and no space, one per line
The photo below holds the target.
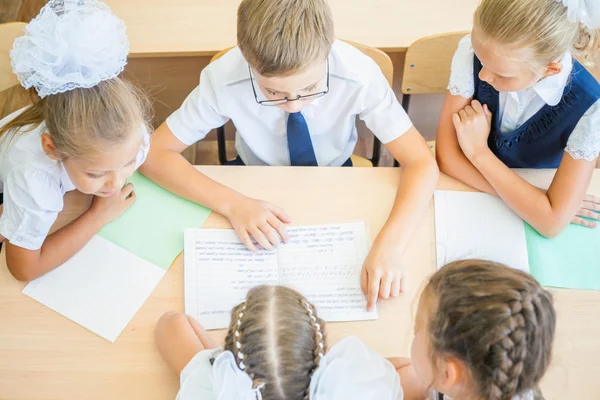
540,142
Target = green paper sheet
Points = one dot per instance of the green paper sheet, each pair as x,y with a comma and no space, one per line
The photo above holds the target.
571,260
153,226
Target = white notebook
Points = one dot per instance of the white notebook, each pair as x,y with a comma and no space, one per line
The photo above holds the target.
478,225
321,262
100,288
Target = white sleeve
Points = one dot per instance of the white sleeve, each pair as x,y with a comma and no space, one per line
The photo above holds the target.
196,378
143,151
350,370
462,82
199,113
381,111
584,142
32,200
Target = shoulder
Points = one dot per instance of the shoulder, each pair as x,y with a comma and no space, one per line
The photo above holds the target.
197,377
229,69
462,82
585,81
349,63
350,369
36,188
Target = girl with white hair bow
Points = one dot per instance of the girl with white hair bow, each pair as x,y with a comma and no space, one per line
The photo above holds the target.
518,98
86,130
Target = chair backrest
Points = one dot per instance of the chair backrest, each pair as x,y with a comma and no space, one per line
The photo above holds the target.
382,59
12,95
8,33
428,61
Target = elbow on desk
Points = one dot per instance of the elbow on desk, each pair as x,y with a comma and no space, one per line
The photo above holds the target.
551,226
21,274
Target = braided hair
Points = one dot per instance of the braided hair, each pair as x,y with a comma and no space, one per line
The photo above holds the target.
278,339
497,320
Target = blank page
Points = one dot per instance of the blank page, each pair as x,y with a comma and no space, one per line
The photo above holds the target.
100,288
478,225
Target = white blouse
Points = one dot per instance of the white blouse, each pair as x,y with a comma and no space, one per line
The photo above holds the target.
518,107
349,370
33,185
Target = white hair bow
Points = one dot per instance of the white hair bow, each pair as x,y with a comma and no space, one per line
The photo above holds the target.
586,12
232,382
70,44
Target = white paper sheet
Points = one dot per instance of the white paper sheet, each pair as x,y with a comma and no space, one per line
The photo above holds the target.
478,225
322,262
100,288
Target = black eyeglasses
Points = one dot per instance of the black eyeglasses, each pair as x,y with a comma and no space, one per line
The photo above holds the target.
278,102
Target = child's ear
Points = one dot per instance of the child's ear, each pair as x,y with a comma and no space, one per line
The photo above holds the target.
553,68
453,375
48,146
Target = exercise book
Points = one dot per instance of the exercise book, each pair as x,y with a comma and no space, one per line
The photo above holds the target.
322,262
153,226
478,225
100,288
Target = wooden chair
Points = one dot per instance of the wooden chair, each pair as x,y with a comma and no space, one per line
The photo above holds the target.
387,68
12,95
427,67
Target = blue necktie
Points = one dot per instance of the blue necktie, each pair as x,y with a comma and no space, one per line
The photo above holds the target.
299,142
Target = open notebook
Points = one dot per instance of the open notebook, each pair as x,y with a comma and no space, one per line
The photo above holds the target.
478,225
321,262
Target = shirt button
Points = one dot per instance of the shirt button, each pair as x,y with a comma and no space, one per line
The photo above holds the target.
19,238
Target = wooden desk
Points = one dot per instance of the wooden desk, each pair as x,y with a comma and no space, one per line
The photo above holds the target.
45,356
191,27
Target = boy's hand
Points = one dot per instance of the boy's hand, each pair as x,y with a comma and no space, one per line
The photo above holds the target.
382,276
590,208
473,125
110,208
260,220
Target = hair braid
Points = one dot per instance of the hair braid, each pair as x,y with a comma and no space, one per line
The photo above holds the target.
497,320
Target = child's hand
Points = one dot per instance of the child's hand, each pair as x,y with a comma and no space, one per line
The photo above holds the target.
473,125
110,208
381,275
590,208
260,220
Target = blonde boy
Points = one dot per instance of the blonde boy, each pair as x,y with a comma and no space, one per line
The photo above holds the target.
293,93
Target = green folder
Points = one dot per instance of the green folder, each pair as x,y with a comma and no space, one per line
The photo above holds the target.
571,260
153,226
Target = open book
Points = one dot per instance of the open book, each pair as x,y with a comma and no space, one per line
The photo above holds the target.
321,262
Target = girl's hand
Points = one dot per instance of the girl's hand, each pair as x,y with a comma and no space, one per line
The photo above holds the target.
473,125
110,208
382,275
590,208
260,220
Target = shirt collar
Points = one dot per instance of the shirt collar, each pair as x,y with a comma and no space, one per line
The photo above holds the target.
551,89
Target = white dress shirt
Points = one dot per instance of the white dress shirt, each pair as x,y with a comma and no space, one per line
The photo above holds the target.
357,88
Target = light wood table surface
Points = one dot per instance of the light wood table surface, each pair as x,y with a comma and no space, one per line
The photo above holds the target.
203,27
45,356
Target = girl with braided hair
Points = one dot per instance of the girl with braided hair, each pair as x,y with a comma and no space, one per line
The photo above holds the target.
276,349
483,331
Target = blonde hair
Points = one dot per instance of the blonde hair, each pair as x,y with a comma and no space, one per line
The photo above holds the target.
542,25
281,37
86,120
278,340
497,320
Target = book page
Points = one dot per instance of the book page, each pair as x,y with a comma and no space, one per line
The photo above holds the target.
219,271
478,225
322,262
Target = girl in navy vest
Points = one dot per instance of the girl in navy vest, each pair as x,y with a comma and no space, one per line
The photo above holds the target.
517,98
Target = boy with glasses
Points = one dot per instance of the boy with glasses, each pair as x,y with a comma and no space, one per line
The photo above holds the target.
293,93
